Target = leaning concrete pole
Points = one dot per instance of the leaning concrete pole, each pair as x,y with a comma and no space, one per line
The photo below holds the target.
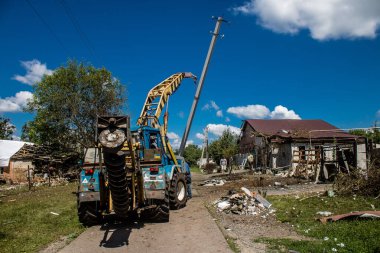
200,85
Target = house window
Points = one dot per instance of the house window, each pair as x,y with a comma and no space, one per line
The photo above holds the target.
302,154
317,151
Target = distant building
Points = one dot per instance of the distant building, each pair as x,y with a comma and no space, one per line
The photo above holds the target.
14,166
287,143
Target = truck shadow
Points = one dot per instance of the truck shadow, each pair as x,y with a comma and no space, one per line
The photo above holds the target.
117,234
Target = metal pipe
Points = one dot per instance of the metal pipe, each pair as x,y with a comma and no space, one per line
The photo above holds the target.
200,85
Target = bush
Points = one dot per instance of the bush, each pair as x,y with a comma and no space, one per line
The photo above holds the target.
357,183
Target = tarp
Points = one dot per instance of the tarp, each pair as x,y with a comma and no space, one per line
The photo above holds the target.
7,149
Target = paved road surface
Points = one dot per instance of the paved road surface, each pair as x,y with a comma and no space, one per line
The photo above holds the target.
190,229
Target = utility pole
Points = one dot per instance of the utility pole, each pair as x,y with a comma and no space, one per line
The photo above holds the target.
200,84
204,147
206,141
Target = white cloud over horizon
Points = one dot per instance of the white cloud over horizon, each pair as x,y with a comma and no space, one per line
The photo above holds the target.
281,112
35,70
325,19
212,105
175,140
15,103
218,129
200,136
249,111
262,112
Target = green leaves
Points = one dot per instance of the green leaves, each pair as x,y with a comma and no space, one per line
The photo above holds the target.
226,146
67,103
6,129
191,154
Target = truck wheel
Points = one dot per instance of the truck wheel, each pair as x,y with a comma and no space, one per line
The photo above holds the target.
87,214
178,191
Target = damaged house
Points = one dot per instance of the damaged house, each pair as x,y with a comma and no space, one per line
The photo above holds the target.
301,145
13,164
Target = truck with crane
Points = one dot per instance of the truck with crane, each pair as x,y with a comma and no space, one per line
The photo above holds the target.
140,175
136,172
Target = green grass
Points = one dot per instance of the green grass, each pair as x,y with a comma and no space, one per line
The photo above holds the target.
233,245
26,224
356,235
195,169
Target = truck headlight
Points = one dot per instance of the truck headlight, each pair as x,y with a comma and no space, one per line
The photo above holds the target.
110,139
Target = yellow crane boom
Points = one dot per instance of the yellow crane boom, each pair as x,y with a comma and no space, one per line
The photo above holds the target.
158,97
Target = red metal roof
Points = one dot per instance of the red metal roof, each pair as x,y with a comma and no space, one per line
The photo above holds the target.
296,128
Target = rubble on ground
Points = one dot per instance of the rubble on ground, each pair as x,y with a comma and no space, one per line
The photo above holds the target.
213,182
244,203
352,216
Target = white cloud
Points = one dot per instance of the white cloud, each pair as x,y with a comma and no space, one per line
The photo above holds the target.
174,139
325,19
214,105
219,113
378,114
200,136
172,135
228,119
250,111
281,112
262,112
16,103
210,105
218,129
35,70
206,107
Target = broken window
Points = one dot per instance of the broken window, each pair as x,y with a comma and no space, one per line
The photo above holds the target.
301,150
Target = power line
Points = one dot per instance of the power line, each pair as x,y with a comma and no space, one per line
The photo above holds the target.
77,27
47,25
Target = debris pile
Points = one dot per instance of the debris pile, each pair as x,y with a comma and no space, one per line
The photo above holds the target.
213,182
244,203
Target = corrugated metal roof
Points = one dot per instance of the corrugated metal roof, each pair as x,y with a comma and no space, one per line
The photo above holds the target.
296,128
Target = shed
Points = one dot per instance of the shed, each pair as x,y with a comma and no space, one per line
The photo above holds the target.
14,168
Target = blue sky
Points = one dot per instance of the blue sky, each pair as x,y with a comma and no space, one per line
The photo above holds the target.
278,59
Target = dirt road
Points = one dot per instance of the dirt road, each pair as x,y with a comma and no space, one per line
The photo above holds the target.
191,229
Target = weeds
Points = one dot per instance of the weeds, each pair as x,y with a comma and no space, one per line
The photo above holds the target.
357,183
26,221
340,236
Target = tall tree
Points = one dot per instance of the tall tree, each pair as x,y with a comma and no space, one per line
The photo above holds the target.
191,154
225,146
6,129
373,135
67,104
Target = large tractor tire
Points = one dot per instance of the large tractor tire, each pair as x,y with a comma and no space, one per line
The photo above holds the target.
178,191
117,181
88,214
